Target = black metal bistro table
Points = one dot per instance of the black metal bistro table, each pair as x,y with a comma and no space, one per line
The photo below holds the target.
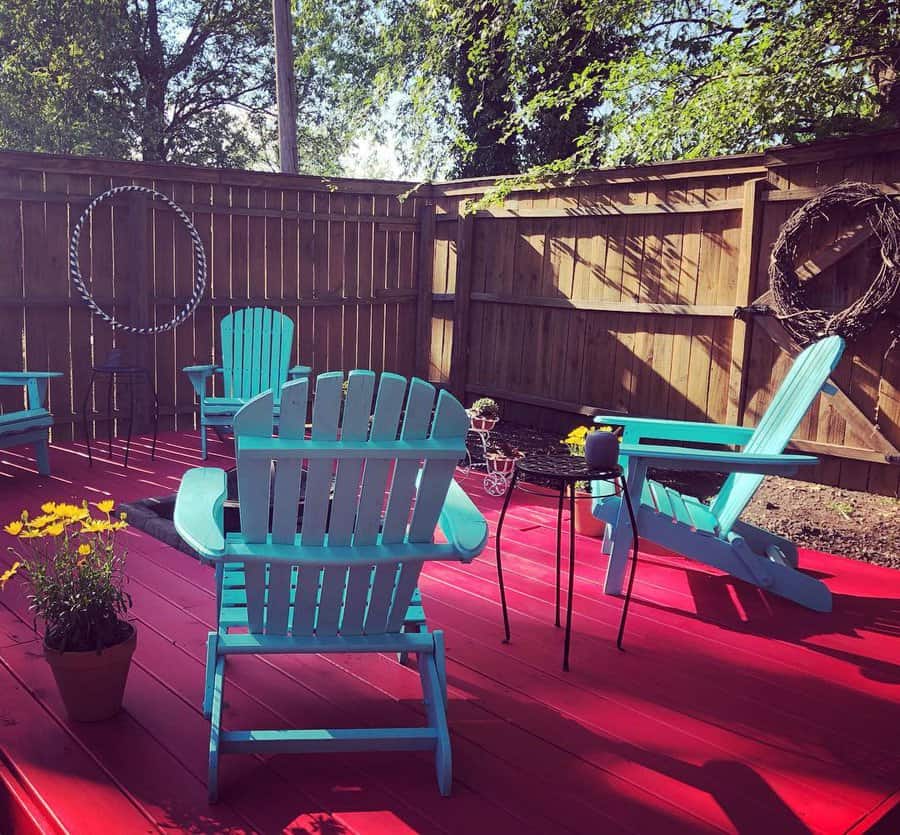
133,375
565,470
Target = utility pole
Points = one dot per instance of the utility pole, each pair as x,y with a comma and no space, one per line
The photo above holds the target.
285,88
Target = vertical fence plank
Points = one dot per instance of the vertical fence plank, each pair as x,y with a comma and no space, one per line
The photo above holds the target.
746,267
459,357
425,287
12,315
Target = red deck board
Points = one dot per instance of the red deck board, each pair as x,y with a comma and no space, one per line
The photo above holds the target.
729,711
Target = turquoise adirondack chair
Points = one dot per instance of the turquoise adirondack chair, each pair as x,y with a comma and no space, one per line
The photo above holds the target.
32,424
256,350
346,582
713,534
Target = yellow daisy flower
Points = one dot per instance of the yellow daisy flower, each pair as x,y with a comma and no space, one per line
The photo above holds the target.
95,526
106,506
6,575
84,549
55,530
71,511
14,528
48,507
40,521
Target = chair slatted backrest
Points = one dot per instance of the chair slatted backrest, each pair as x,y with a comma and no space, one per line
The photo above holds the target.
256,351
792,401
378,490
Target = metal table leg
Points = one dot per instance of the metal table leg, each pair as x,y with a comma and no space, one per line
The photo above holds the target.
84,417
131,381
109,415
506,500
559,511
571,575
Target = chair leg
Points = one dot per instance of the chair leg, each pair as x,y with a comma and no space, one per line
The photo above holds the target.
606,542
42,454
203,439
212,785
440,660
211,646
435,699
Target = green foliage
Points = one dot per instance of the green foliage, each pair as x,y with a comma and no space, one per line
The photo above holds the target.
513,86
335,46
168,80
74,574
486,408
737,77
482,79
187,81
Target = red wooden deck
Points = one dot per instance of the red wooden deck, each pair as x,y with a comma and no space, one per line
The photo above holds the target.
729,711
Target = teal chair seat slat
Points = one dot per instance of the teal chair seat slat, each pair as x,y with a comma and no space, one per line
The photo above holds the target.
347,582
256,345
31,424
713,534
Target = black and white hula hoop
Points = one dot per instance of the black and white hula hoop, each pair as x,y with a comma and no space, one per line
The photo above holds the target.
199,258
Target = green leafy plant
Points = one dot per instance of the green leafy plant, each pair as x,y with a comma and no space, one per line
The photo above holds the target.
486,408
69,561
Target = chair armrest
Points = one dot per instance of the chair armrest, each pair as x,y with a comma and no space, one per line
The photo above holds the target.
677,430
34,381
683,458
202,370
199,374
463,524
299,371
18,378
199,515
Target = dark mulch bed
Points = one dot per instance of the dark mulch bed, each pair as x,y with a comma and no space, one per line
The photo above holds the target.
830,519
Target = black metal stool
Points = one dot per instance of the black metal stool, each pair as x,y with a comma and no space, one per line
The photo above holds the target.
133,375
565,470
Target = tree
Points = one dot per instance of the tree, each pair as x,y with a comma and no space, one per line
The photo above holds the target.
169,80
569,84
484,76
703,79
187,81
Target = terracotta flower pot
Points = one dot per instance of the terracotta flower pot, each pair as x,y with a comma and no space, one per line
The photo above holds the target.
92,683
482,424
585,521
500,464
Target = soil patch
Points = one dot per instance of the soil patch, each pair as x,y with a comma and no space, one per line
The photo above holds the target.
831,519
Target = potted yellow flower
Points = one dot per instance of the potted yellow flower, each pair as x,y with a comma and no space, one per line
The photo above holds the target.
585,521
69,561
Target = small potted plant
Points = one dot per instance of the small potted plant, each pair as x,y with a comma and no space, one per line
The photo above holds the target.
500,459
73,571
585,521
484,414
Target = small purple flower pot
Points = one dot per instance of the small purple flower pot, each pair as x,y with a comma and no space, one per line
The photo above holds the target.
601,450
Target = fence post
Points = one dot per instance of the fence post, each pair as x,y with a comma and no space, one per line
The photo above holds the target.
459,357
746,269
424,279
141,299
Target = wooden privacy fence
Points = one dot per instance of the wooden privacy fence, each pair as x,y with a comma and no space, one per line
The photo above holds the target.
617,293
339,257
612,293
